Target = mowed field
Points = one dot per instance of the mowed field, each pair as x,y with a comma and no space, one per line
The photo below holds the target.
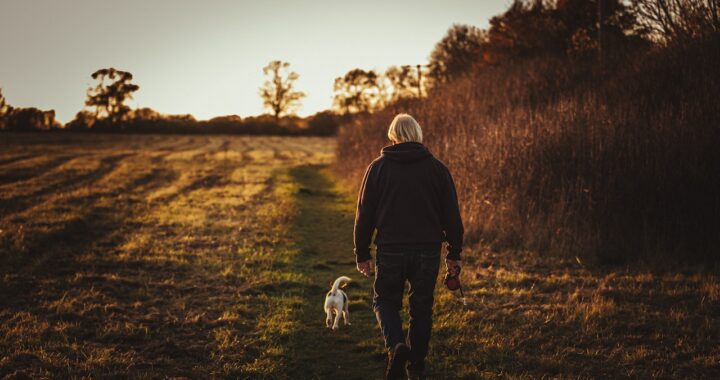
209,257
147,255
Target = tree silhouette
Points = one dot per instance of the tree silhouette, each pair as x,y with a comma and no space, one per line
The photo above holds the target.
4,110
83,120
3,103
406,81
357,91
25,119
109,95
461,47
678,21
567,27
278,93
525,29
31,118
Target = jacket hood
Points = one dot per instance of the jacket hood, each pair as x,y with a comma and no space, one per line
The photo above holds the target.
406,152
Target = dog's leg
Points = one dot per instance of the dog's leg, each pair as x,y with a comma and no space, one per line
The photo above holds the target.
328,318
336,325
346,314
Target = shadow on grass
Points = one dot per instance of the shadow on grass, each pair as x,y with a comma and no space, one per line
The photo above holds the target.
68,285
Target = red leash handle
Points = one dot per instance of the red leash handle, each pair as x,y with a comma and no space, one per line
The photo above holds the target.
453,284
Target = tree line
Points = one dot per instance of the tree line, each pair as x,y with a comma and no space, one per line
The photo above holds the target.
106,110
359,91
602,31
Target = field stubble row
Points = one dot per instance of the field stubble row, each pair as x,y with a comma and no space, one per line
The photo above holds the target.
139,254
144,256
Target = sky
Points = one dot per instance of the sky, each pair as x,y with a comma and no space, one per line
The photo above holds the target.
206,57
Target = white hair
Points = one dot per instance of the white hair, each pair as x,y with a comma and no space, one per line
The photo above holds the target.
404,129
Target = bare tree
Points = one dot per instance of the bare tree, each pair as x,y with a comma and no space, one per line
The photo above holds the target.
278,92
678,20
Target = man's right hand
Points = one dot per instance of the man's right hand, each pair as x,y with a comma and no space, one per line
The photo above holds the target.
453,267
366,267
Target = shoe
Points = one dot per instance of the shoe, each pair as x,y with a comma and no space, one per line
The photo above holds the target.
396,361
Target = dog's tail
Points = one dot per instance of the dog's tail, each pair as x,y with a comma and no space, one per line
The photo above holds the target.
340,280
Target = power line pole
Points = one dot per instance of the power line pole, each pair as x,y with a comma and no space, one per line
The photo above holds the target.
419,73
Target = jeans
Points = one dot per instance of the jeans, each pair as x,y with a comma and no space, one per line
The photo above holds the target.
420,268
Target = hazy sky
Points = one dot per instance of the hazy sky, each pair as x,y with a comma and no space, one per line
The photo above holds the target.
206,57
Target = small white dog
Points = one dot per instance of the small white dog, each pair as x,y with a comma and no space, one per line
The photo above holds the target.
336,300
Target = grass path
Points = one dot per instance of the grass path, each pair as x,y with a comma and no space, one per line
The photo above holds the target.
322,230
527,316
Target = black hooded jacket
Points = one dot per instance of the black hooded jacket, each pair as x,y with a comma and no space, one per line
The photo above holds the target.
409,197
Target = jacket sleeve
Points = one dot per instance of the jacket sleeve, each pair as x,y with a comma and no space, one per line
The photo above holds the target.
451,219
365,215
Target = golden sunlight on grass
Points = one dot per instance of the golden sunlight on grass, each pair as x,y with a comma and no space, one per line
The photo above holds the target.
197,257
141,256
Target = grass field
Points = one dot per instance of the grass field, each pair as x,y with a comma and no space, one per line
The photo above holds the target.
199,257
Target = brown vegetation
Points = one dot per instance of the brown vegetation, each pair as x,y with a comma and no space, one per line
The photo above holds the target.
147,256
554,153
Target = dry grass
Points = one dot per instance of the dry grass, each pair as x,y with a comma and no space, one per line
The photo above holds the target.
121,262
536,317
141,256
553,156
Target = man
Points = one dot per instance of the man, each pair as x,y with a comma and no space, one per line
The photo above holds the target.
409,197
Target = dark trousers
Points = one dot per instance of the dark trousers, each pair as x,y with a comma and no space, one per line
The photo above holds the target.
392,270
